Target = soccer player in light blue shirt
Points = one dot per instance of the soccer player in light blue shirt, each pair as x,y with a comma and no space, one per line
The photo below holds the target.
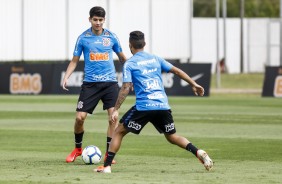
100,83
143,70
98,55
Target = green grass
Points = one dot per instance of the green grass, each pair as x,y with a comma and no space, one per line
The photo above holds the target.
241,81
242,134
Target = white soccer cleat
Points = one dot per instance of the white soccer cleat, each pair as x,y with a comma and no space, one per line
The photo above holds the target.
205,159
102,169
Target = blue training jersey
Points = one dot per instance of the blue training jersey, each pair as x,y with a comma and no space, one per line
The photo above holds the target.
145,72
98,55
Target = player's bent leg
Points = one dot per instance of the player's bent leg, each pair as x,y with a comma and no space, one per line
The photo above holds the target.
183,142
177,140
119,133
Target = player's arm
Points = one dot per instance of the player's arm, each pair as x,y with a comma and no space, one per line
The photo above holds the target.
123,92
70,69
197,89
121,57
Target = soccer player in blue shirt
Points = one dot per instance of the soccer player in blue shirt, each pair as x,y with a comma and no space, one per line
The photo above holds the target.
143,71
100,83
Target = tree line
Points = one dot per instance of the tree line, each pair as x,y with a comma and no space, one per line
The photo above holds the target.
252,8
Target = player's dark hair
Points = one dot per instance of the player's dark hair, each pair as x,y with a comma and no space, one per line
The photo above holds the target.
137,39
97,11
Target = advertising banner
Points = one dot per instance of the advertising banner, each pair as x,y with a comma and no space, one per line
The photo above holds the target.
272,85
47,78
20,78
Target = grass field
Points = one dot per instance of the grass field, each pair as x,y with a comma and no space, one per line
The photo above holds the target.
241,81
242,134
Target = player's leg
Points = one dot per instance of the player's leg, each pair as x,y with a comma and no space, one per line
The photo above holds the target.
78,135
185,144
132,121
114,147
109,97
110,132
87,101
163,122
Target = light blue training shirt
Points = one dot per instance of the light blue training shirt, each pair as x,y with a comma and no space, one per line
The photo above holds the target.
144,70
98,55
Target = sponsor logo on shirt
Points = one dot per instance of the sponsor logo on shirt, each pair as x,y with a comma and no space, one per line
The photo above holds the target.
151,84
156,105
88,34
97,42
149,71
156,95
100,77
107,33
146,62
98,56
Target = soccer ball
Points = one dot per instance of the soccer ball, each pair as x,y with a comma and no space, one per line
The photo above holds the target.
91,155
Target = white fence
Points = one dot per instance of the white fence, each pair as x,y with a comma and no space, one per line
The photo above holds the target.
47,30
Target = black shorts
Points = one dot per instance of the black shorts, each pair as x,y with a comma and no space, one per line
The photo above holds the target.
92,92
134,121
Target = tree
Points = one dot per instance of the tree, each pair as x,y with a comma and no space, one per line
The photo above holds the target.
253,8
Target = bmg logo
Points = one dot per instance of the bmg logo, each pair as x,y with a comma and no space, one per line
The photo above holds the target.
25,83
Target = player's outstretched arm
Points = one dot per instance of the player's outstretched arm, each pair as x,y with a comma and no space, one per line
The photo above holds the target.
123,92
197,89
70,69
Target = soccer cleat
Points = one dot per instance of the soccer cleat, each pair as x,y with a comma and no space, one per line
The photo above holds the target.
205,159
102,169
75,153
105,158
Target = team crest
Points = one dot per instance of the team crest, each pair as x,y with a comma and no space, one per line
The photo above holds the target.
106,41
80,105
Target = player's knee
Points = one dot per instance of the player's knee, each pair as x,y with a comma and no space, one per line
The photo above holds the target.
112,123
80,119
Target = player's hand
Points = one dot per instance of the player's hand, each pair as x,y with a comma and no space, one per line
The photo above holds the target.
198,90
114,116
64,84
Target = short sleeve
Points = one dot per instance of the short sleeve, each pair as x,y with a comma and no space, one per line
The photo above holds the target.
78,47
165,65
116,44
127,73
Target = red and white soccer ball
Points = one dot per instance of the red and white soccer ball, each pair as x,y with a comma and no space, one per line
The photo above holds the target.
91,155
